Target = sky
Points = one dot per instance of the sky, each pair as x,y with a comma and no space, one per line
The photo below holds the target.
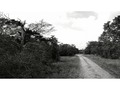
71,26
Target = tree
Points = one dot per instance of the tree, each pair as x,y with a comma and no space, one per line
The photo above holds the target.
54,48
13,27
41,27
111,37
67,50
25,52
109,42
92,47
17,29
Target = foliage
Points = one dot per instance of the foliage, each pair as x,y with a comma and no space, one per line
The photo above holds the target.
41,27
24,52
8,45
67,50
108,45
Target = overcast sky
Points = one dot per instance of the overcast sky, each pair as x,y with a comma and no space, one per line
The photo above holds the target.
72,26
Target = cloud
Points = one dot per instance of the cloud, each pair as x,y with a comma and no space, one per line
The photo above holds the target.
81,20
82,14
83,23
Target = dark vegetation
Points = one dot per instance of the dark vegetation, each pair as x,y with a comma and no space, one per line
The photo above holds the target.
108,45
25,52
67,50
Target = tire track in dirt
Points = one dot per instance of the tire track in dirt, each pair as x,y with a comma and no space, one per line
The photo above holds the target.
89,69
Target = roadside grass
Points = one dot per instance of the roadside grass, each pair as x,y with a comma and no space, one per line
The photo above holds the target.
110,65
67,67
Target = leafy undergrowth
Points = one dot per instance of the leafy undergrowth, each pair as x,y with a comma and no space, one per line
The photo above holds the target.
110,65
67,67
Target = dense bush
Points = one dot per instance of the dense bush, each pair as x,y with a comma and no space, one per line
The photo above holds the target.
108,45
8,45
24,67
40,51
25,53
67,50
34,60
54,49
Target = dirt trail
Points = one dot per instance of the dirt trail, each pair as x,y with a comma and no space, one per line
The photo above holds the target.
89,69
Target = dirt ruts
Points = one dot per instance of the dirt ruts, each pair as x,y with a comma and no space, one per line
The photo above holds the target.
89,69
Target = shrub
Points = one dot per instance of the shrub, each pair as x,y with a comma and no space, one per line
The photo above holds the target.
67,50
20,67
8,45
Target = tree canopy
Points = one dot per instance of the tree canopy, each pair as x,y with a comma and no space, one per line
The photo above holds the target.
108,45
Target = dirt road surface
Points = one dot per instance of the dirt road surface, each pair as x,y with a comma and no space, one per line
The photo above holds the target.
89,69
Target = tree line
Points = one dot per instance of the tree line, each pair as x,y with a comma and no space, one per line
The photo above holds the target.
68,50
24,50
108,44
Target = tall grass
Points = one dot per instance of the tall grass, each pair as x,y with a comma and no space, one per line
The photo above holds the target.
68,67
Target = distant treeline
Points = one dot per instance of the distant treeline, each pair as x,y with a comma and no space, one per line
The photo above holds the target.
108,45
67,50
25,52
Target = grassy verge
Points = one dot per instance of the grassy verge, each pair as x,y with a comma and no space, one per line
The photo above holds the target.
110,65
67,67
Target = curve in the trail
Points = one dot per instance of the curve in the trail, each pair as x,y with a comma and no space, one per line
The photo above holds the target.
89,69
